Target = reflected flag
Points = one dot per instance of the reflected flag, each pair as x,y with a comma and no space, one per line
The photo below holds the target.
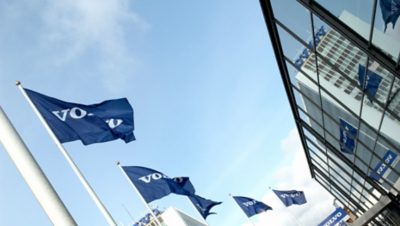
96,123
370,87
305,54
203,205
291,197
251,206
390,11
347,137
337,218
298,63
153,185
382,166
321,31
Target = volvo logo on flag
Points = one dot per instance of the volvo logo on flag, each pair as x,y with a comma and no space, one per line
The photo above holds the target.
79,113
251,206
291,197
154,176
249,203
153,185
95,123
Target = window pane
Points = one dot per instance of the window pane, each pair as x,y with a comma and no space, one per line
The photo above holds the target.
357,14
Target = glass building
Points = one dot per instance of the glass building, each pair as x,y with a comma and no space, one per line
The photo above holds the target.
339,63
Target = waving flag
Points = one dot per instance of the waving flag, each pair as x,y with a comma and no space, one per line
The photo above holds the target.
96,123
347,137
370,87
251,206
182,186
390,11
154,185
203,205
291,197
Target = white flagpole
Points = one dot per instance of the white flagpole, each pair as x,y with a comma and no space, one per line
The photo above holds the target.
72,164
32,174
248,218
140,195
204,220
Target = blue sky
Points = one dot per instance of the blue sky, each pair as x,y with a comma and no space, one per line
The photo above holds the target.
208,99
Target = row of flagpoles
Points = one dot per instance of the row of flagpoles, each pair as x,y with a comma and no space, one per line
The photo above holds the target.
102,122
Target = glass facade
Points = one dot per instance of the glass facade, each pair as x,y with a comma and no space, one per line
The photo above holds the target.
340,68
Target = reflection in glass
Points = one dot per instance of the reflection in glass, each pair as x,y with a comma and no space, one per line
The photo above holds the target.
386,35
355,13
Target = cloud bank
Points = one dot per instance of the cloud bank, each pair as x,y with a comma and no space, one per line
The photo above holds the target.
92,30
295,175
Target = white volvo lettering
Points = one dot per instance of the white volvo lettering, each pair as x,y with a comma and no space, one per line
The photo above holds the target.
154,176
63,115
290,195
249,203
113,123
75,113
79,113
333,219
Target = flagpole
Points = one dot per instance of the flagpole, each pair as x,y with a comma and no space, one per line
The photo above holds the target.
72,164
204,220
140,195
33,174
248,218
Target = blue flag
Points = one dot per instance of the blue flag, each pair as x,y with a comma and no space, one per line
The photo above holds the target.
154,185
182,186
251,206
370,87
291,197
390,11
298,63
305,54
203,205
321,32
96,123
336,218
382,166
347,137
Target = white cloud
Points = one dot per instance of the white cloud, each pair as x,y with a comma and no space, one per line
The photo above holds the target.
291,144
76,27
295,175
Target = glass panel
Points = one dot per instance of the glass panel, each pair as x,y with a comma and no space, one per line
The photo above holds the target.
300,78
310,105
357,14
338,62
310,121
294,16
344,168
317,156
391,176
393,111
386,40
390,129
